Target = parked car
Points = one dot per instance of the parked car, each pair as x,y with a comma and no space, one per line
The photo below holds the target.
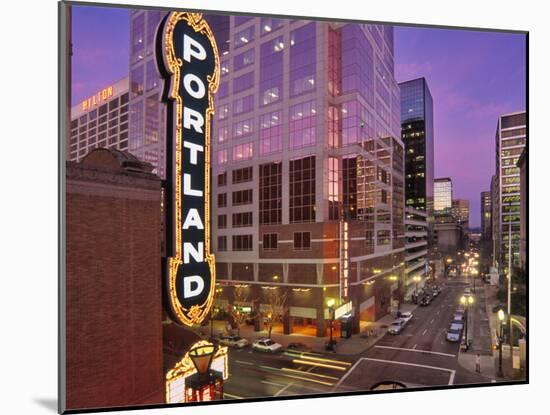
458,323
233,341
467,291
435,293
460,309
266,345
454,332
458,316
407,316
426,300
298,347
397,326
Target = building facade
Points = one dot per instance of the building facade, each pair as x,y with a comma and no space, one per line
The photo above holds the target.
416,248
523,211
461,212
486,215
417,133
308,170
443,196
114,338
100,121
510,138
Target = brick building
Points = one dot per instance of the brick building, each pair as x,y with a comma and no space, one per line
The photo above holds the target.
113,282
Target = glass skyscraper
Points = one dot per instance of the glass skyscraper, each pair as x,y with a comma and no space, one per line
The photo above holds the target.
511,138
417,133
443,196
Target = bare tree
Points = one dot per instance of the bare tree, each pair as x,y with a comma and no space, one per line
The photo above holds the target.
275,310
240,296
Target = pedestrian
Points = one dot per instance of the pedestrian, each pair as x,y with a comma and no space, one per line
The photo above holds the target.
478,363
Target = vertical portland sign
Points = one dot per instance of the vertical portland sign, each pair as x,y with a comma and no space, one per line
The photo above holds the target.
187,58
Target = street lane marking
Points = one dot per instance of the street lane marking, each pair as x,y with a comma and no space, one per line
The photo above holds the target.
305,362
431,322
310,380
424,332
301,356
279,385
244,363
231,396
444,369
414,349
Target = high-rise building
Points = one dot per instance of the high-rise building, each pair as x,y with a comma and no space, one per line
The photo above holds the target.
511,137
308,170
443,196
100,120
486,215
417,133
461,212
495,218
522,164
416,248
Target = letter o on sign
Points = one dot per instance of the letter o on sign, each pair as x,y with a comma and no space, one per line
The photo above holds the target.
188,81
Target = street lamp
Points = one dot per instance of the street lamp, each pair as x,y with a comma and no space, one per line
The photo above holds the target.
466,301
501,318
330,304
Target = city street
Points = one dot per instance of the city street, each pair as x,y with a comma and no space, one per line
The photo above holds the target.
419,356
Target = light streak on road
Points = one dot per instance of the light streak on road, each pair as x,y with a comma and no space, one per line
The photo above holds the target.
305,362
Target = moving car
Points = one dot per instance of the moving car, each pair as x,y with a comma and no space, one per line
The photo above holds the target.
397,326
407,316
454,332
233,341
266,345
426,300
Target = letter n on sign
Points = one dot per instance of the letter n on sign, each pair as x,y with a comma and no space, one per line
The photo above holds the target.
187,58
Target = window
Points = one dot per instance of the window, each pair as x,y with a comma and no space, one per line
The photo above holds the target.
222,243
302,190
242,175
302,241
223,90
242,128
138,38
223,134
383,237
243,60
223,112
269,24
302,59
244,104
222,156
269,241
243,37
242,197
271,133
302,125
242,219
333,188
222,221
243,82
136,82
222,179
270,193
242,152
271,71
222,200
242,242
152,77
239,20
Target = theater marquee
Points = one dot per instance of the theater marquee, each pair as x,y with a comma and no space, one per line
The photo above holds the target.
187,57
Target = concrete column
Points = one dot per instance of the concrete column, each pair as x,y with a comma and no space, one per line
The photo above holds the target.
321,323
287,322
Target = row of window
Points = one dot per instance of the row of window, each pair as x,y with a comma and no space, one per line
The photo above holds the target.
238,198
302,241
240,220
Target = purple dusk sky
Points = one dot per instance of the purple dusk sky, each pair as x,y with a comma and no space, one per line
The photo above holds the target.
473,77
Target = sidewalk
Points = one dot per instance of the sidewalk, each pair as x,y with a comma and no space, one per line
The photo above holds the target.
356,344
482,333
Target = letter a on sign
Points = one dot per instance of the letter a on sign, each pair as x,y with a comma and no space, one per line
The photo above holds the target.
188,60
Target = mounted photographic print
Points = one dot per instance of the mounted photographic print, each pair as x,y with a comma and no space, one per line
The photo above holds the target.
259,207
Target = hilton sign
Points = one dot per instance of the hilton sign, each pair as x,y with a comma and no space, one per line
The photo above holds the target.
187,58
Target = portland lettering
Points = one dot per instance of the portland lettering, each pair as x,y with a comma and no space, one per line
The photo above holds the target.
188,61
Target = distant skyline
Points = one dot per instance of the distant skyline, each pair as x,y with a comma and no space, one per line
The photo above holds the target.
473,76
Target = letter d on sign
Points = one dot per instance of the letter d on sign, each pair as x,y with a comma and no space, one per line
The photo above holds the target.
192,286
